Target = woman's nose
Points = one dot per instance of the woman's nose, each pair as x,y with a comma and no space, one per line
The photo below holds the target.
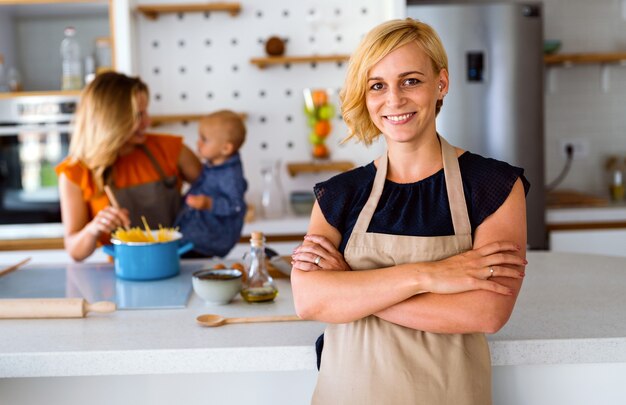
394,97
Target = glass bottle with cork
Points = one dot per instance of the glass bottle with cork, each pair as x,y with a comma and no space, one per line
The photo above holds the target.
259,285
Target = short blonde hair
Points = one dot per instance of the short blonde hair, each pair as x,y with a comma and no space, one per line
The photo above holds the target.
107,113
232,123
378,43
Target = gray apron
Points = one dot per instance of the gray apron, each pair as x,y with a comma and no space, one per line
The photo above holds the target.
158,201
372,361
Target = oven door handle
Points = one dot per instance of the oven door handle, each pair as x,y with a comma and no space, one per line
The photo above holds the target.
17,129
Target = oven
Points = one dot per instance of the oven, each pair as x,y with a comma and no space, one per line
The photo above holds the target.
34,138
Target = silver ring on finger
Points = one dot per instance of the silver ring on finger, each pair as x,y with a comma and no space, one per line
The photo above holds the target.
104,221
490,272
317,260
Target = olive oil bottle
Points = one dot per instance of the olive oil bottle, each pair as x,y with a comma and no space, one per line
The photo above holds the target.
259,285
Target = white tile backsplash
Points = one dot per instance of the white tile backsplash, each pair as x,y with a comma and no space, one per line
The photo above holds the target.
578,108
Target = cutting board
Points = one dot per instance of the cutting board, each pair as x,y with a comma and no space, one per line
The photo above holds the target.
97,282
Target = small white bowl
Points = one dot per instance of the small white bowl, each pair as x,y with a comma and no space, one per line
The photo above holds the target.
217,287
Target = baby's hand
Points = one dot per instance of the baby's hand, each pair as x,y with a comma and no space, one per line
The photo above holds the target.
199,202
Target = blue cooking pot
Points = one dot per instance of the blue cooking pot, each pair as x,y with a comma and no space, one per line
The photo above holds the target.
141,261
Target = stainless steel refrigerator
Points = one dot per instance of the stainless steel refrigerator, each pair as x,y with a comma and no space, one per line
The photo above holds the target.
495,103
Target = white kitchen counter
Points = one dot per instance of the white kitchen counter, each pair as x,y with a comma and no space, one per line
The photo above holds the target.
570,311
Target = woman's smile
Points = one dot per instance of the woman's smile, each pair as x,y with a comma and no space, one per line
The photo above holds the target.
399,119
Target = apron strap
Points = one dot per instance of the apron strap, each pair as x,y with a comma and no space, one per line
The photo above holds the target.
363,221
167,181
454,187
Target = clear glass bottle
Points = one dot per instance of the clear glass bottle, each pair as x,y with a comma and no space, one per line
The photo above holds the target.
258,285
72,68
273,204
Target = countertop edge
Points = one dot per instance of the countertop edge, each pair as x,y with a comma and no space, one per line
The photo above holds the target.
147,362
557,351
285,358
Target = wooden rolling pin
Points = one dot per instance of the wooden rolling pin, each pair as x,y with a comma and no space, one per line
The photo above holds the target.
51,308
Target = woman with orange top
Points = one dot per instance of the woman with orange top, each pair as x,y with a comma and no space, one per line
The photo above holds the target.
109,147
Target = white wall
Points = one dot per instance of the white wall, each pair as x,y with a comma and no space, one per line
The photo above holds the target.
577,107
7,43
196,64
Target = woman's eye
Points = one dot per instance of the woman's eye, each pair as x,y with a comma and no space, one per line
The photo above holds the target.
376,86
411,82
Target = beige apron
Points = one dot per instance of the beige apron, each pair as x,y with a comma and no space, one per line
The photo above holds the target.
158,201
372,361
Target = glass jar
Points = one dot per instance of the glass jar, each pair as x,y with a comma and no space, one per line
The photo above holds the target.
103,55
273,205
258,285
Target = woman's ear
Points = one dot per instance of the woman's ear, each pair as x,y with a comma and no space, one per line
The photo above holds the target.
443,83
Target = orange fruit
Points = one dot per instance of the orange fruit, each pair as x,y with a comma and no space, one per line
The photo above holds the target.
322,128
320,97
320,151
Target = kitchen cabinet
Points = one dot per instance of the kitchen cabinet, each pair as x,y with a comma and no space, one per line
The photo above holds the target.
31,32
594,230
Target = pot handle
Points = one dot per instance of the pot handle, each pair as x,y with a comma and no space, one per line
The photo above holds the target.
109,250
185,248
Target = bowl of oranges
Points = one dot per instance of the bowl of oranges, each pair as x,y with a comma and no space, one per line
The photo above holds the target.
319,112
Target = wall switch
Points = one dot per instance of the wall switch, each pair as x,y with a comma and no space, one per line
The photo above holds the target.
579,145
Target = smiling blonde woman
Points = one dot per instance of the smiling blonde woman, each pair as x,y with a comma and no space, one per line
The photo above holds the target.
440,231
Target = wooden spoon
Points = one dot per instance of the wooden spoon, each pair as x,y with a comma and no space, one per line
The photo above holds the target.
11,269
217,320
113,200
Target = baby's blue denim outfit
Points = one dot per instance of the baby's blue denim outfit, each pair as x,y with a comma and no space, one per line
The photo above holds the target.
214,232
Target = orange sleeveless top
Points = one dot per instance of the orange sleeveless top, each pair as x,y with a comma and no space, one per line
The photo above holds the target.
129,170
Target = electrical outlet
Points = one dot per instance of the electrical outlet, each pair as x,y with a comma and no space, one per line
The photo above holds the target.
580,146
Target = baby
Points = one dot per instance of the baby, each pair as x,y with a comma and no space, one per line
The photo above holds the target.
214,209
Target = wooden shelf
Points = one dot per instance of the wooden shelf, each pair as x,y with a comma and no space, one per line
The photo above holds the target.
25,2
262,63
584,58
158,120
40,93
152,11
295,168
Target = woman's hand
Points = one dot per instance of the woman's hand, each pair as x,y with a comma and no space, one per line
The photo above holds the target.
108,220
473,270
318,253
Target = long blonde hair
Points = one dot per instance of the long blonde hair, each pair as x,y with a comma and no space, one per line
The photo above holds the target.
106,115
378,43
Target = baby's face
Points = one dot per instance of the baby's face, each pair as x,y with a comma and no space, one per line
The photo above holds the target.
213,144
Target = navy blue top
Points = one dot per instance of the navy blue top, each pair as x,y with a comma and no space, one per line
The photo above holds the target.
421,208
214,232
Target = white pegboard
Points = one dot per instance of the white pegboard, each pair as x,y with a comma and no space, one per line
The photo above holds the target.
200,62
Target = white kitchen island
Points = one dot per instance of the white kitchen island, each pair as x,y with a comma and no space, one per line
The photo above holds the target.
564,344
